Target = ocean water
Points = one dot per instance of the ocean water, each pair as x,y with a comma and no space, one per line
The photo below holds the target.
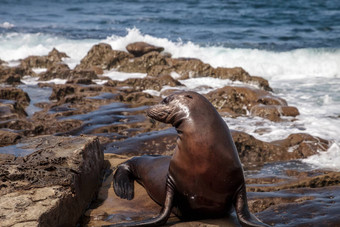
293,44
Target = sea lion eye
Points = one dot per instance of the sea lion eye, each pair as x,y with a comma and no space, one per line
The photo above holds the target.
189,96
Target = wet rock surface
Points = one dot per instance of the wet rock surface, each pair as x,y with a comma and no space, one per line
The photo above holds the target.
241,100
51,186
57,130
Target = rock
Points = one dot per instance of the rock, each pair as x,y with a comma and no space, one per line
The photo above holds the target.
252,150
295,146
61,71
20,125
80,81
147,83
149,60
242,100
289,111
240,74
190,67
7,137
303,207
142,64
149,143
53,185
54,57
11,93
12,75
102,56
11,110
273,112
82,77
60,91
139,99
84,74
12,79
140,48
303,145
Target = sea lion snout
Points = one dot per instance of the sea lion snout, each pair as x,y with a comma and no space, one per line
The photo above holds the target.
171,108
159,112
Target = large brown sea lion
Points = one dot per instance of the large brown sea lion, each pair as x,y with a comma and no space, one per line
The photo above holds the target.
203,179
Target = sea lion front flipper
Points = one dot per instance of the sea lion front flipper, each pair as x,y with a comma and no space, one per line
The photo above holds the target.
242,210
164,213
123,182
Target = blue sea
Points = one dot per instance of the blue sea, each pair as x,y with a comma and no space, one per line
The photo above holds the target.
293,44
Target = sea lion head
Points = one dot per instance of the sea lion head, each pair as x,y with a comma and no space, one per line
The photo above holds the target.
178,107
173,109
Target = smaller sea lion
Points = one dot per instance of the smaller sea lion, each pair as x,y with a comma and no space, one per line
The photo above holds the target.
140,48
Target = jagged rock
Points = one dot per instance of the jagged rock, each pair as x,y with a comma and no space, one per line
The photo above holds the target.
273,112
295,146
241,100
11,110
7,138
12,75
142,64
53,185
85,81
190,67
60,91
303,145
17,124
61,71
82,77
139,99
141,84
84,74
16,94
140,48
53,57
240,74
103,57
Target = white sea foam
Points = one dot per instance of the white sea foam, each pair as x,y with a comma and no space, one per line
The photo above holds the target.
121,76
295,64
328,160
39,70
29,80
14,46
6,25
204,85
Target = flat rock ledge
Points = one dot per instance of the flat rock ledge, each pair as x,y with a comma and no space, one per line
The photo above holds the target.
51,186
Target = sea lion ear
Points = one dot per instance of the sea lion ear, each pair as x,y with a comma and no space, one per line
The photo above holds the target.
189,96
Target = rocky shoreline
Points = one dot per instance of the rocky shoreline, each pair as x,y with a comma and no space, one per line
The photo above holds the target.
111,115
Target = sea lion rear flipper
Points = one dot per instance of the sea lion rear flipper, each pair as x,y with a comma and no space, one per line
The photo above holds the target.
242,210
123,182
